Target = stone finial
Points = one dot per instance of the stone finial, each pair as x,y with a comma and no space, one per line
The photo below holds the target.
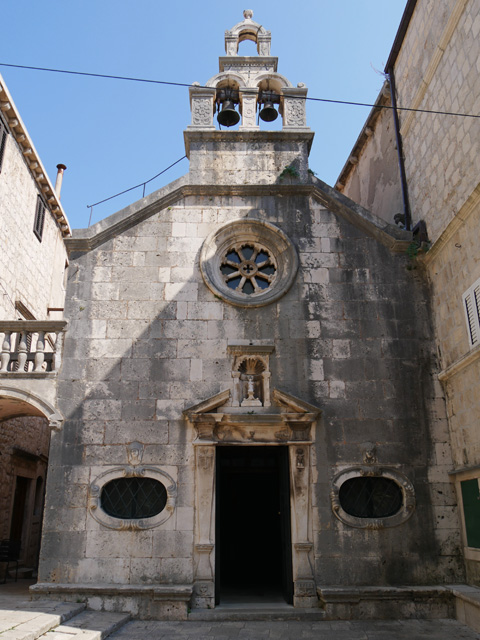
248,14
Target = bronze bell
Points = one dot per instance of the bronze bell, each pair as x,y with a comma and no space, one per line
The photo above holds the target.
228,116
268,113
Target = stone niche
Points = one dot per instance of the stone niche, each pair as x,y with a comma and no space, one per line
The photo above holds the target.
249,413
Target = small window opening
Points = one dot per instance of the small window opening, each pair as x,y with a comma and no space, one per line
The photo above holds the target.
471,301
133,498
471,510
3,141
39,218
370,497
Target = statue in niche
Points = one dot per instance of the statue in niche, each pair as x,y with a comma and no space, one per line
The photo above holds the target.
250,382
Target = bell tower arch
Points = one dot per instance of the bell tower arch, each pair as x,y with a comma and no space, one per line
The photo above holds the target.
249,83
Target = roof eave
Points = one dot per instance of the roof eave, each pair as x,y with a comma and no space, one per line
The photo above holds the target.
22,138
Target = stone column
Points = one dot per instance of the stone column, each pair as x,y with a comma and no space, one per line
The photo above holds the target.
304,594
248,98
236,389
204,589
266,375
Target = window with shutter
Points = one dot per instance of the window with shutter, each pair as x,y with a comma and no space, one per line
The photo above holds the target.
471,305
3,141
39,218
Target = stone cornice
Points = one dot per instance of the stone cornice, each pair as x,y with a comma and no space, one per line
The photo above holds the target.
392,237
39,174
214,135
383,99
453,226
459,365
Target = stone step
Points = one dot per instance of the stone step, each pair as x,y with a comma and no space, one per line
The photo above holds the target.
247,613
48,620
89,625
22,619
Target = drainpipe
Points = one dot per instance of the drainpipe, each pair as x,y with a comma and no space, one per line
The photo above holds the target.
401,162
58,183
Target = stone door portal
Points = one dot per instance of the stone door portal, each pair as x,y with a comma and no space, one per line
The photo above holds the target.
253,558
253,476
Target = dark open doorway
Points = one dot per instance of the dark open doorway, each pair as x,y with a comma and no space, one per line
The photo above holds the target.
253,538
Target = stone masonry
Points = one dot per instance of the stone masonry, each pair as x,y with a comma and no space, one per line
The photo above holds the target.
32,272
436,68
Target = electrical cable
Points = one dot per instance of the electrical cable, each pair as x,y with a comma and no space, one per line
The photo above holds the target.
141,184
246,91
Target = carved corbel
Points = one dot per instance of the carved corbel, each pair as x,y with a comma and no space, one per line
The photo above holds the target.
300,430
204,426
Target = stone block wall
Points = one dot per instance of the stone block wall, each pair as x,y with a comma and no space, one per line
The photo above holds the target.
374,179
438,68
32,272
148,339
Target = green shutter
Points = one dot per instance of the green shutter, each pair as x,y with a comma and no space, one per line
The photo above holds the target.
471,509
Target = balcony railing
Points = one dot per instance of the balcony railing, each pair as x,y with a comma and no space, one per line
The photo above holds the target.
31,346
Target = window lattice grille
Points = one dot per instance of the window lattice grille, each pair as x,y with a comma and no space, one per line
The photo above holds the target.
370,497
133,498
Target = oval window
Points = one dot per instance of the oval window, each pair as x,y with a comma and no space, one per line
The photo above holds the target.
133,498
370,497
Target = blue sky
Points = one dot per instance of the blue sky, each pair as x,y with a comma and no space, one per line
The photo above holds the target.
113,134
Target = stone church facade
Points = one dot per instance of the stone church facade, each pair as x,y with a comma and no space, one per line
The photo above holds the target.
249,387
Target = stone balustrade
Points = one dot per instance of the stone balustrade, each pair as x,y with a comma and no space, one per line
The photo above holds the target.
31,346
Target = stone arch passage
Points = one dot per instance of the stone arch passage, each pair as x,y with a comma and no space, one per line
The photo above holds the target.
25,426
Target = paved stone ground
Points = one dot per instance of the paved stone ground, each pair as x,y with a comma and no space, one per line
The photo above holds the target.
358,630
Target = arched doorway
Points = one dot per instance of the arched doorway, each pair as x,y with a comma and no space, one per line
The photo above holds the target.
24,445
25,427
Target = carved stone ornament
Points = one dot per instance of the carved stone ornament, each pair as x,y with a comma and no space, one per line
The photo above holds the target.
251,375
135,453
406,487
216,422
202,111
134,471
295,115
248,263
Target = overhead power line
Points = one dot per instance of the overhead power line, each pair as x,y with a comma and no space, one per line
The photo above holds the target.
141,184
186,84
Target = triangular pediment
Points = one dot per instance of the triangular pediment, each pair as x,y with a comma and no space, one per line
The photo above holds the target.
281,402
209,405
389,235
287,420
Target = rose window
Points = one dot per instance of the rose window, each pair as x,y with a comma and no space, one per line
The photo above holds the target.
248,268
248,263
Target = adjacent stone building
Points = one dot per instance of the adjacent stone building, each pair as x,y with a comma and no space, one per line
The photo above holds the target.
435,66
33,263
249,387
